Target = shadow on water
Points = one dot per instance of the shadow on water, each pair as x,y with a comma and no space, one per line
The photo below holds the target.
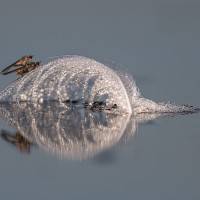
67,131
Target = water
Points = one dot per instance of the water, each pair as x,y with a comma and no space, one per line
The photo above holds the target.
158,41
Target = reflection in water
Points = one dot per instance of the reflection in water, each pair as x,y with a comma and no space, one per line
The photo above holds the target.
19,141
69,132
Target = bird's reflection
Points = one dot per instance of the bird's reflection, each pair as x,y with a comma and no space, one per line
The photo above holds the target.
69,132
16,139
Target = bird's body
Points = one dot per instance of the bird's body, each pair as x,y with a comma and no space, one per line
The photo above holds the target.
82,82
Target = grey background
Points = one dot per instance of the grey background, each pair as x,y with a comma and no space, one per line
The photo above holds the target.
158,42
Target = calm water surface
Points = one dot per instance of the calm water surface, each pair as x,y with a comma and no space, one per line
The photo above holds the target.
159,43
